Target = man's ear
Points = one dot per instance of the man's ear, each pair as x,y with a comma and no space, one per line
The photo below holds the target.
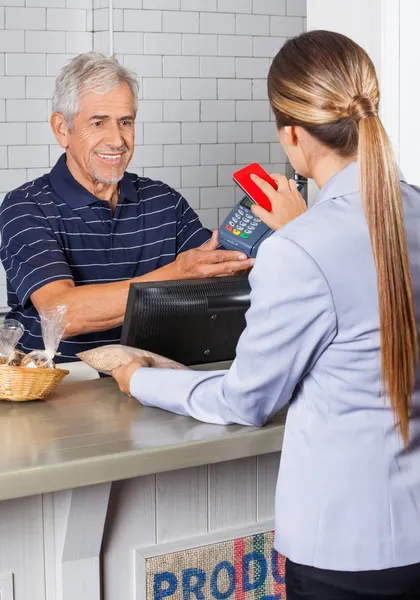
292,134
60,129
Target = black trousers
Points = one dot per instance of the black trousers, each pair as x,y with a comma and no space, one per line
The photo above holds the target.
309,583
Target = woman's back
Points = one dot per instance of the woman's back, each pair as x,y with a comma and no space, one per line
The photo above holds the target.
349,494
332,328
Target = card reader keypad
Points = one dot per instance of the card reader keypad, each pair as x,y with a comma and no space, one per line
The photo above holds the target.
243,223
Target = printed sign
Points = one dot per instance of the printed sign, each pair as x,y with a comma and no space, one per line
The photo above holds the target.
242,569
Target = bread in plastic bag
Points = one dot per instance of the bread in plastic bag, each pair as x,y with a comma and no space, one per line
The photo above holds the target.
53,326
106,358
10,333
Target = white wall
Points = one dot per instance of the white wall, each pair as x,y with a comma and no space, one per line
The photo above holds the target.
204,109
202,66
409,89
361,20
358,19
388,30
36,38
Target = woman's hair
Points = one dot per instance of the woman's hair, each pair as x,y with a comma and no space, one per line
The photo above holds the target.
87,73
327,84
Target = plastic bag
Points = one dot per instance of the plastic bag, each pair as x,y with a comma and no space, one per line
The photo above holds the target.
10,333
106,358
53,326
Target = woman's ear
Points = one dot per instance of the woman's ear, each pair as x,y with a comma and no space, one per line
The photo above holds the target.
291,134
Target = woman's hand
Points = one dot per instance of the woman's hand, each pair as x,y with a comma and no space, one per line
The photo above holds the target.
123,375
286,202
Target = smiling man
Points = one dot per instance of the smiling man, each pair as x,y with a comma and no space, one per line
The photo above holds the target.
81,234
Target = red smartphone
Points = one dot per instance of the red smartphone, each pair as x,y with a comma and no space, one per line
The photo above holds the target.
243,179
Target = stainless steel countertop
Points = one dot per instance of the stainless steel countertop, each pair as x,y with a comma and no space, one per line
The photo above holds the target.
89,432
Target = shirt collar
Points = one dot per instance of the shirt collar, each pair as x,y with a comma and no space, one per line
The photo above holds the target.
77,196
344,183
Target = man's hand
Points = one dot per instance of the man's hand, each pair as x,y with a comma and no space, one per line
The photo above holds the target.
123,375
207,261
286,203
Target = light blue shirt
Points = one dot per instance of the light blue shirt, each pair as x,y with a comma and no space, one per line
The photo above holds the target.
348,495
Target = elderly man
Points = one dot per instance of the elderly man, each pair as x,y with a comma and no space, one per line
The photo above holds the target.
81,234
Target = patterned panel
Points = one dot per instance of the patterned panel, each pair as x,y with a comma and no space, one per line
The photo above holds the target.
247,568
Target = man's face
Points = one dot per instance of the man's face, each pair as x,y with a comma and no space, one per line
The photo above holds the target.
101,140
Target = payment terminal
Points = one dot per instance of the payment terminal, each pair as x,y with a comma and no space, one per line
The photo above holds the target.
242,230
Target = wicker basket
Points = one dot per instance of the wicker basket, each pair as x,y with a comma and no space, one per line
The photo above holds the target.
20,384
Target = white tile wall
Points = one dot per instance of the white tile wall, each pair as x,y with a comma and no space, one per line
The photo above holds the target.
217,154
234,89
199,89
24,110
161,88
286,26
181,22
142,20
181,111
217,23
200,5
182,154
253,24
247,153
55,62
217,66
217,110
44,41
25,18
24,64
3,157
219,197
162,133
202,66
12,87
235,45
199,133
198,44
12,41
273,7
181,66
252,67
150,111
252,110
162,43
235,6
148,66
234,132
36,38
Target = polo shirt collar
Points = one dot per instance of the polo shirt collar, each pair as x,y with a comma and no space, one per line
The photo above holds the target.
344,183
128,189
77,196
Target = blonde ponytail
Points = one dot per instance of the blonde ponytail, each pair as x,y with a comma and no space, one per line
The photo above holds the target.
327,84
381,196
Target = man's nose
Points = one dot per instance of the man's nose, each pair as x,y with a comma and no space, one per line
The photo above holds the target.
114,138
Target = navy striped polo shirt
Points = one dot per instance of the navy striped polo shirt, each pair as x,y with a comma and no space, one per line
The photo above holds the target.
52,228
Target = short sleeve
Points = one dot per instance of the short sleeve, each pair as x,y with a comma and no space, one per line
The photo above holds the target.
30,252
190,232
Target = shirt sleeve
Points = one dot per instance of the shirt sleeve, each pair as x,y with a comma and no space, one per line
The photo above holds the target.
290,322
190,232
30,252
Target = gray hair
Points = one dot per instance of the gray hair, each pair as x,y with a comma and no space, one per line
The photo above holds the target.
87,73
